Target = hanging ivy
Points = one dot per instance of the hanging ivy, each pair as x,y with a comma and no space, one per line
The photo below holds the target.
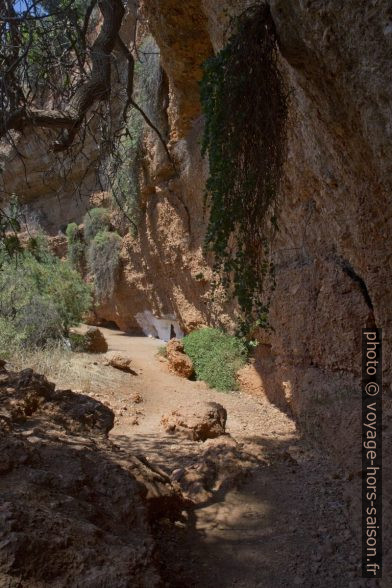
244,100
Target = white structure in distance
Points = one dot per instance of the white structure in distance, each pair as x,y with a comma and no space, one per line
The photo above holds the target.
164,328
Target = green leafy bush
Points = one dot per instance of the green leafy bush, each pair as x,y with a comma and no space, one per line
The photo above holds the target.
76,246
95,221
216,357
38,246
103,262
10,226
41,297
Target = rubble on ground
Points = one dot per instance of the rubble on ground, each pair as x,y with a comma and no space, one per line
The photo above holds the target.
222,464
120,362
74,508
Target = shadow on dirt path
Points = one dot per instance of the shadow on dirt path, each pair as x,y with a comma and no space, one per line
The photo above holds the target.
285,525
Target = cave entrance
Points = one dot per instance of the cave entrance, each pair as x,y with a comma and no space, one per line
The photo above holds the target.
109,325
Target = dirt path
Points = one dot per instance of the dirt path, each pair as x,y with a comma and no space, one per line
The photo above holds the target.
284,526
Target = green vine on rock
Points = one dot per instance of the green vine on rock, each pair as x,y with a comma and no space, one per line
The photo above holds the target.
244,100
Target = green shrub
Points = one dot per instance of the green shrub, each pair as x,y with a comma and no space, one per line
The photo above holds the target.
103,261
78,342
10,226
38,246
162,351
40,298
95,221
216,357
72,231
76,246
10,338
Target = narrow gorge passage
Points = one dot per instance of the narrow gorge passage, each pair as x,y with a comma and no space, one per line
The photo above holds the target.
279,526
215,175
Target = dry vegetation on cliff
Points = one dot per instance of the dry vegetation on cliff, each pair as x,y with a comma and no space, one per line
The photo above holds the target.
245,141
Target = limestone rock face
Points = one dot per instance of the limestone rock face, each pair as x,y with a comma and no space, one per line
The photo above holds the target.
180,30
179,362
207,422
332,256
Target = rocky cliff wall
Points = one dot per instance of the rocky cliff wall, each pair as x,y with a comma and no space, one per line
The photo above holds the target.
332,252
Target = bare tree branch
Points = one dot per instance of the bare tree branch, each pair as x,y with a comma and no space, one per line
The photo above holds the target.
131,102
96,88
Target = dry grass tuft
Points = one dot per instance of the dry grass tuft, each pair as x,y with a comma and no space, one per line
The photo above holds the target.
58,364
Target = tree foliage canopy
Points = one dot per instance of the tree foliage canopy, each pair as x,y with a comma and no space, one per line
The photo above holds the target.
66,74
51,74
56,63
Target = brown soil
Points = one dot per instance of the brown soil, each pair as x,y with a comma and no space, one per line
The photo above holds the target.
283,525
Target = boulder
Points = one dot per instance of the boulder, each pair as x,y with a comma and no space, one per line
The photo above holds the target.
26,394
206,421
95,342
179,362
120,363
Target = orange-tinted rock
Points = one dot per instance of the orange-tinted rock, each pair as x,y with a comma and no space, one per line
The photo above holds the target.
69,501
207,421
181,31
95,341
179,362
120,362
222,464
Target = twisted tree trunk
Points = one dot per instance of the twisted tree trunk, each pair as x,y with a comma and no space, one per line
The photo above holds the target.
96,88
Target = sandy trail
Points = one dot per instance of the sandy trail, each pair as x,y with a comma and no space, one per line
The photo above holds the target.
284,527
